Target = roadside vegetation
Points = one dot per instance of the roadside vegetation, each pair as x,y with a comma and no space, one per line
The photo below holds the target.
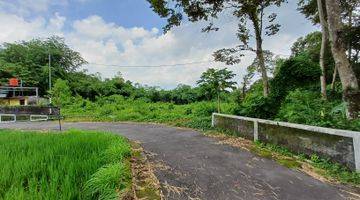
117,108
72,165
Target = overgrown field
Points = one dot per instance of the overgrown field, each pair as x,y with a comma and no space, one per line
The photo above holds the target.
117,108
71,165
298,108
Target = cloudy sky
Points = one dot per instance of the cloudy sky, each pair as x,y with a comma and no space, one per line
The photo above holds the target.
127,32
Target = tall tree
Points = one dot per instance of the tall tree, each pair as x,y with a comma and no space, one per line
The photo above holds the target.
324,41
348,79
216,81
351,32
244,10
315,10
247,78
254,69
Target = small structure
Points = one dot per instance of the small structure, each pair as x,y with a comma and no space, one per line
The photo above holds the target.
14,94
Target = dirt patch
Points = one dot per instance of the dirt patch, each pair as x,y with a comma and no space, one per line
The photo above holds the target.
145,184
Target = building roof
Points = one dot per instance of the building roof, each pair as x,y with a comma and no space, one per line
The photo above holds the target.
17,92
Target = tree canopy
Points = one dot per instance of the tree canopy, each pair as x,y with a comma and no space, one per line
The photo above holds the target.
28,60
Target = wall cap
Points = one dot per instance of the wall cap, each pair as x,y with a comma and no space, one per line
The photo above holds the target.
330,131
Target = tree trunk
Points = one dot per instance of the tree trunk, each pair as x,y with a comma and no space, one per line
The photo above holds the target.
334,79
351,93
260,56
244,91
324,40
218,98
350,25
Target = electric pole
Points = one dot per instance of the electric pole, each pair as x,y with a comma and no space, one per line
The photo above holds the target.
50,78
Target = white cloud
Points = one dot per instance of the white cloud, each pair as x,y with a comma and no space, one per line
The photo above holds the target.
15,28
101,42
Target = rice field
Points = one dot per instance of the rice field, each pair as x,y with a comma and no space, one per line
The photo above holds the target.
70,165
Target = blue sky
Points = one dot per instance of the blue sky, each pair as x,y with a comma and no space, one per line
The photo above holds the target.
127,13
127,32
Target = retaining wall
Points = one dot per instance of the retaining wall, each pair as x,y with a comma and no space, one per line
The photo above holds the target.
340,146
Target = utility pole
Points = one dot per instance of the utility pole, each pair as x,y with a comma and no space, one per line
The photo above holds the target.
50,77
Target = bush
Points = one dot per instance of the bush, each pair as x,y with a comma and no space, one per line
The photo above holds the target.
296,72
307,107
61,93
255,104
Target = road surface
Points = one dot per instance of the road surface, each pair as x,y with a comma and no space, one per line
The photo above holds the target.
198,167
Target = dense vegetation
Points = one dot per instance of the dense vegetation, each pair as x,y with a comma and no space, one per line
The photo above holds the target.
72,165
117,108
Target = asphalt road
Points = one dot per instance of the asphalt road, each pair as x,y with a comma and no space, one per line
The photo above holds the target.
197,167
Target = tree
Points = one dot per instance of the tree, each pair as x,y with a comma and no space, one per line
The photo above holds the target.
315,10
351,30
61,93
184,94
311,45
247,78
246,11
348,79
28,60
325,34
253,69
216,81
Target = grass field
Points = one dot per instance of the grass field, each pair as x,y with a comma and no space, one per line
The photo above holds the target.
71,165
117,108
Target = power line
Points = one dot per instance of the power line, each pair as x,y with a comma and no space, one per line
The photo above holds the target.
152,66
164,65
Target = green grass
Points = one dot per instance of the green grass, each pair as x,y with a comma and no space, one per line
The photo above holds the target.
70,165
323,166
117,108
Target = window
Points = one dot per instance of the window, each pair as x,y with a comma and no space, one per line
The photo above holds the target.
22,102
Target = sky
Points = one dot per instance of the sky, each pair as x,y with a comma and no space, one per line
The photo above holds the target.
129,33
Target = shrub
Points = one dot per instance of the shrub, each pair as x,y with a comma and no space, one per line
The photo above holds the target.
307,107
61,93
255,104
296,72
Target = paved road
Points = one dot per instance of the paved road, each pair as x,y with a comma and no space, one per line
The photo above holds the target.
199,168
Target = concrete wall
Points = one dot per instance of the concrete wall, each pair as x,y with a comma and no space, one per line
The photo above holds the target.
339,145
13,101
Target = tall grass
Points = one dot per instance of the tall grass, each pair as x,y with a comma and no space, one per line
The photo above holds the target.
69,165
118,108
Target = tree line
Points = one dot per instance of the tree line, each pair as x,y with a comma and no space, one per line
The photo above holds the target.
29,61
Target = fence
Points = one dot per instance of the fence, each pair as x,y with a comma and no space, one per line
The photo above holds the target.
340,146
12,114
